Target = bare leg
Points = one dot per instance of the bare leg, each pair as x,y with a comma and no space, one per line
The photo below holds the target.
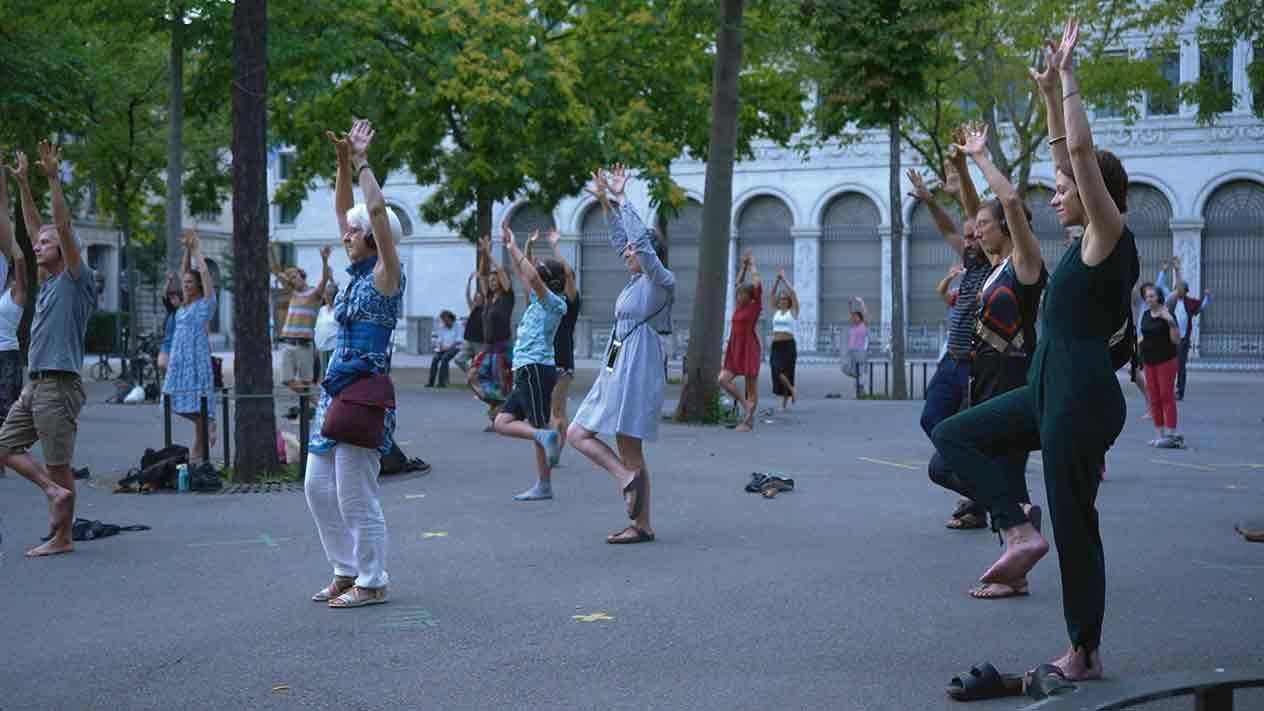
197,452
633,456
58,484
726,384
1024,547
598,452
558,419
752,403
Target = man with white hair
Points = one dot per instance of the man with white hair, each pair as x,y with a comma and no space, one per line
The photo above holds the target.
47,411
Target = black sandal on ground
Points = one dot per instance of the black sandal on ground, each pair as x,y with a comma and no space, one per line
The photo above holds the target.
1046,680
984,682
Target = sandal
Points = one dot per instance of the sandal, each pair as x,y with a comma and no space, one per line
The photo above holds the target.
636,488
340,585
359,597
984,682
1046,680
999,591
639,535
967,522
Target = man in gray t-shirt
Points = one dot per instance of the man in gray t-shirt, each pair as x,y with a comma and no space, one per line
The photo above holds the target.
47,411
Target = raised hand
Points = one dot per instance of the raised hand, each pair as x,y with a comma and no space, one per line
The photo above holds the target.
597,186
618,179
535,235
1046,78
324,254
781,274
342,144
189,239
484,244
1064,57
49,160
360,137
919,191
18,170
507,235
955,271
553,237
976,134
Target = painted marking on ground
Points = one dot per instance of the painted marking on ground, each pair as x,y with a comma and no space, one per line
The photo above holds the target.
593,617
1227,566
887,463
434,534
1199,467
264,539
414,496
409,618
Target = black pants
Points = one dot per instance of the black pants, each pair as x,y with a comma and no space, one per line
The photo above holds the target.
781,360
1183,354
990,375
439,366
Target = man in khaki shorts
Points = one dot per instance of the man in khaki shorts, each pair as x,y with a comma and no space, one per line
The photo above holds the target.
47,411
298,352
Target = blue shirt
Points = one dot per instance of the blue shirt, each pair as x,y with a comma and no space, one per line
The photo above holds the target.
537,329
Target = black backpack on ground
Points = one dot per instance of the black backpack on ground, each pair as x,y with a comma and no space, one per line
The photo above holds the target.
158,468
204,477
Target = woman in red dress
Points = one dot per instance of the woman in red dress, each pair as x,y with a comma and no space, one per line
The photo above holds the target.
742,356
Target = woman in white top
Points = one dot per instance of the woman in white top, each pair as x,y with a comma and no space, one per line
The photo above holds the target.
326,328
784,353
12,300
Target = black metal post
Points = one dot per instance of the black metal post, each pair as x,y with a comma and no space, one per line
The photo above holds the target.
228,459
166,420
886,379
304,427
925,384
205,425
870,377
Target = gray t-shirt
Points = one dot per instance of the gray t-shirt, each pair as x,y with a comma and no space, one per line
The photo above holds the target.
61,319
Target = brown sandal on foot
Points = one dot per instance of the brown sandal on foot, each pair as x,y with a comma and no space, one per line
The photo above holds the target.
639,535
359,597
340,585
998,591
967,522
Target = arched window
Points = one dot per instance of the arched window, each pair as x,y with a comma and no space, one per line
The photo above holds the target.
763,226
851,261
603,274
1149,217
405,222
929,257
1232,261
684,234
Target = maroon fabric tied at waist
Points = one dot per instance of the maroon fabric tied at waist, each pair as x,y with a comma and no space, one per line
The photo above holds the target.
357,414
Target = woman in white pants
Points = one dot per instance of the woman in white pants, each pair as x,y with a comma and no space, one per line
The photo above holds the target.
342,479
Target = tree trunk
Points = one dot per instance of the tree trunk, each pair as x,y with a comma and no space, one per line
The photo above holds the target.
483,216
899,389
254,432
706,333
175,140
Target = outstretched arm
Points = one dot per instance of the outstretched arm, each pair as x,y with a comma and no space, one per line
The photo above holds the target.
555,240
1026,258
344,198
968,195
942,220
50,163
193,252
1051,89
794,295
326,274
942,288
523,266
634,232
386,275
30,213
469,288
7,247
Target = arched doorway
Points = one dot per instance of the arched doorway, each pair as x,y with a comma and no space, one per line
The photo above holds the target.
929,257
763,227
1232,261
603,276
1149,217
684,235
851,265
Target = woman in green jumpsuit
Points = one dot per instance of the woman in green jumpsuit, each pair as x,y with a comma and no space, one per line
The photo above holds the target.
1071,408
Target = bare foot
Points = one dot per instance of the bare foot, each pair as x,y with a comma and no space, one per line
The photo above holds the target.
53,547
995,591
1079,665
1024,547
743,428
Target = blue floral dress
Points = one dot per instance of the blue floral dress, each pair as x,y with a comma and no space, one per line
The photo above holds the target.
365,319
189,370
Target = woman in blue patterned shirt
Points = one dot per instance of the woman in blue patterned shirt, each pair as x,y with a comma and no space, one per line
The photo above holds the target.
342,479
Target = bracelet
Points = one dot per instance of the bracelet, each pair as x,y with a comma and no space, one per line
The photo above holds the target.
1059,139
1067,96
360,170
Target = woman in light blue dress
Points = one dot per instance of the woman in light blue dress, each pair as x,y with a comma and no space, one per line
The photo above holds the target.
189,368
627,400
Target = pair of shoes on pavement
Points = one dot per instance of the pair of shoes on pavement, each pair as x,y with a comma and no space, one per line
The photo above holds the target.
1169,442
769,485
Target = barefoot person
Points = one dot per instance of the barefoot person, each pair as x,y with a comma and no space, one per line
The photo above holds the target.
47,411
342,478
626,402
189,377
784,354
741,356
526,414
1072,409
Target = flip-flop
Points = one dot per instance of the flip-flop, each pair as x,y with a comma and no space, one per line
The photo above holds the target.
1252,532
642,536
1046,680
636,487
984,682
966,522
1017,589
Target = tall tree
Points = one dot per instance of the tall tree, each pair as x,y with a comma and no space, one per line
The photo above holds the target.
876,59
255,425
707,333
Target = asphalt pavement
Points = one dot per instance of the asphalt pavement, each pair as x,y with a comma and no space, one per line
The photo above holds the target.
847,593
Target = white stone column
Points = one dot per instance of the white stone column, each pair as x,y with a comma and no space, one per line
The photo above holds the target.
888,294
807,284
1187,243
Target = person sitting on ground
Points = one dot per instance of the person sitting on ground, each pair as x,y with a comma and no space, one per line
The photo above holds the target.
189,377
742,355
298,355
526,414
783,355
447,345
47,410
1160,337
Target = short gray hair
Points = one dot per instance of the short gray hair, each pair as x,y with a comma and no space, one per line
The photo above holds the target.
358,216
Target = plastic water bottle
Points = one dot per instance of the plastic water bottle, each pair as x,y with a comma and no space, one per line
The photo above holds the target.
182,477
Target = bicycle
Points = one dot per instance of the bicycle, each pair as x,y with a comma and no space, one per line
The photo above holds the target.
102,370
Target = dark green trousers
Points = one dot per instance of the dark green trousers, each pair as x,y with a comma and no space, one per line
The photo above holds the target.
1074,448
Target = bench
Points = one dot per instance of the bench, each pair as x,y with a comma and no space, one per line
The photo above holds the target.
1212,691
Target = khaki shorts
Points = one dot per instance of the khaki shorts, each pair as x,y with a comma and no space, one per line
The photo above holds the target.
47,411
298,362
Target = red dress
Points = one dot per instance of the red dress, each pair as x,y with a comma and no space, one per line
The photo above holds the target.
742,356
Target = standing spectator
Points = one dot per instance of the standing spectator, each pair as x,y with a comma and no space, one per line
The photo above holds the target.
298,355
12,301
447,345
326,329
189,375
1158,342
1185,308
47,411
472,339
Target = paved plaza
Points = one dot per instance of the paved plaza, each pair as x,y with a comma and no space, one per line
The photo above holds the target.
847,593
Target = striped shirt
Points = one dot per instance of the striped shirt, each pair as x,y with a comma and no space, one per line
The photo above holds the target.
961,323
300,319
